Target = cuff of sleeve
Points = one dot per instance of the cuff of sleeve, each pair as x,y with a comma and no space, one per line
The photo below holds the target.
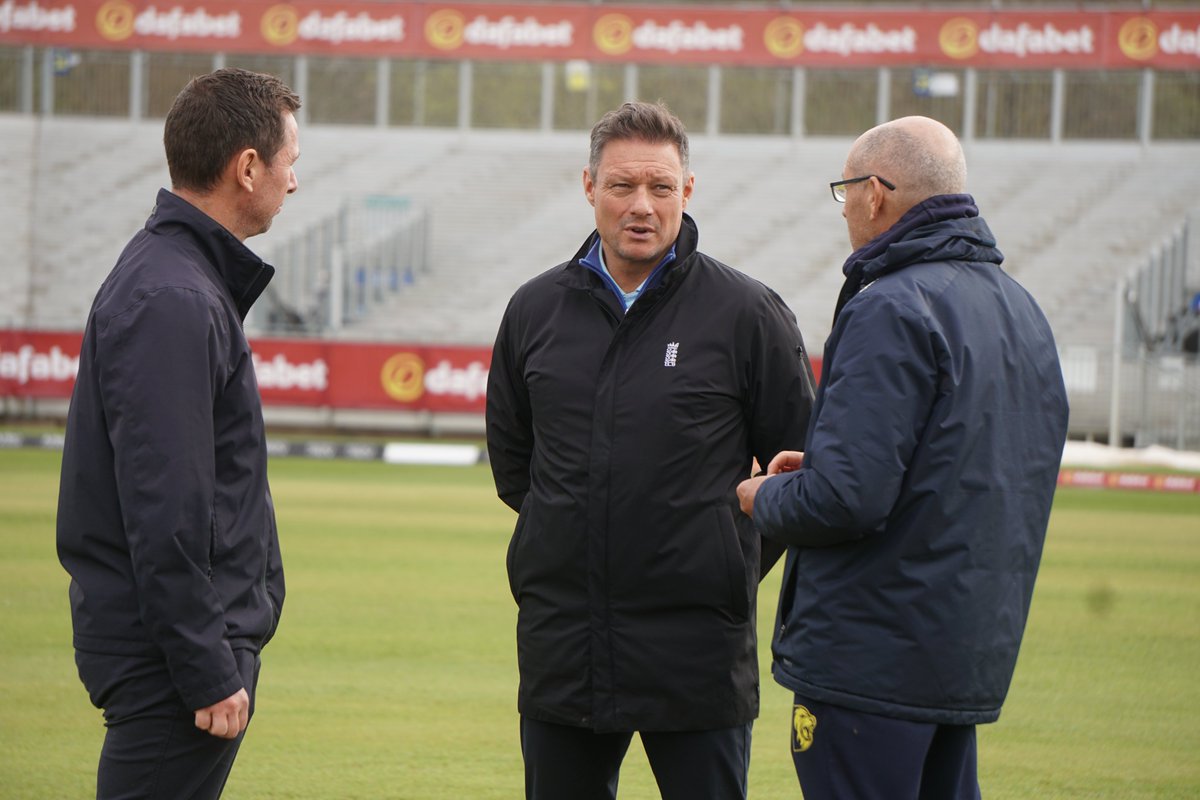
196,696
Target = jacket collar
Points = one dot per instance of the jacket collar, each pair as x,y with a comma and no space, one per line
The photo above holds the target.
578,276
942,228
243,274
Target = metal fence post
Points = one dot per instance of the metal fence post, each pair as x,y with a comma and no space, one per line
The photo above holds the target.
1145,115
27,67
1114,399
465,91
799,98
712,123
547,111
970,102
47,99
137,81
1058,91
883,96
383,92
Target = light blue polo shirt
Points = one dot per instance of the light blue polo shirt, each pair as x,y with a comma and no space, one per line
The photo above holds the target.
594,261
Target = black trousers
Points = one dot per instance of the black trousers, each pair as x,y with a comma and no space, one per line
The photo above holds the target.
568,763
851,755
152,748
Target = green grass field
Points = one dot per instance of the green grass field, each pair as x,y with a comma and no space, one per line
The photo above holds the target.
393,674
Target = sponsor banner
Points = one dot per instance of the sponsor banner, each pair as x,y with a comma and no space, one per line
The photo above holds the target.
466,455
291,372
671,35
38,364
329,28
1157,40
1137,481
1024,40
502,32
866,37
349,375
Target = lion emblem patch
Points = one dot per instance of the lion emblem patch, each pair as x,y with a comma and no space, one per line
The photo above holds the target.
803,725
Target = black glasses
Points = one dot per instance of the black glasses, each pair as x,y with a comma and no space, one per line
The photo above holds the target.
839,187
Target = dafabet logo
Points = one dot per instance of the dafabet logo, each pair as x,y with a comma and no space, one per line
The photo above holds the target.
959,38
1138,39
613,34
784,37
444,29
280,25
115,19
403,377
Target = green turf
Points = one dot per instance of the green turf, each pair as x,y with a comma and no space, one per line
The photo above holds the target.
393,674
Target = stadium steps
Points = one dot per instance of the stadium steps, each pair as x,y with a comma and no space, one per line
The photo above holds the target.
1071,218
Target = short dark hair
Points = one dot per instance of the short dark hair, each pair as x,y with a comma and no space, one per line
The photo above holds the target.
217,116
647,122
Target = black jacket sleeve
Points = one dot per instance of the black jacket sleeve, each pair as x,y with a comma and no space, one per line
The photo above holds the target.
166,361
781,394
509,420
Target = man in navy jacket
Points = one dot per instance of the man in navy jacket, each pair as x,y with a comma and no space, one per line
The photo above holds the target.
916,517
165,521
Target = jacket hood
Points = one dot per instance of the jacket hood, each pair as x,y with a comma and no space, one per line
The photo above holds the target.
243,273
942,228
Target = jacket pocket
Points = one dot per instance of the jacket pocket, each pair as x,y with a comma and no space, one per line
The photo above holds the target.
212,538
514,544
735,562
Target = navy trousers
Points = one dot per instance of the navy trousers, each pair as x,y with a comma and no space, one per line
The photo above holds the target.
850,755
152,748
567,763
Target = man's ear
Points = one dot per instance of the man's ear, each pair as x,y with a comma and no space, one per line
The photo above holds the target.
876,199
246,165
589,186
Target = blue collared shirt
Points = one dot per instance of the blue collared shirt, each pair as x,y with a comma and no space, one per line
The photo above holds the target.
594,261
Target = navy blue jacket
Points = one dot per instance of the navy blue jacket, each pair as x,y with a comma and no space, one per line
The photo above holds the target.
165,521
916,525
620,438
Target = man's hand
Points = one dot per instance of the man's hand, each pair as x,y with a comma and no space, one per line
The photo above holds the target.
746,491
227,718
785,461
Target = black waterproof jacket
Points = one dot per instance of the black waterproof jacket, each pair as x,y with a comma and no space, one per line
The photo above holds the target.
918,520
165,521
620,439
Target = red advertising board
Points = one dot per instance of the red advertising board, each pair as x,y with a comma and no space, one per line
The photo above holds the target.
1136,481
38,364
291,372
349,375
867,37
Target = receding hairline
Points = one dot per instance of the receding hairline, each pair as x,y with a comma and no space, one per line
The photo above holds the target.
920,155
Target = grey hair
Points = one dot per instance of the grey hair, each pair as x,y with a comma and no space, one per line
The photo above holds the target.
920,166
647,122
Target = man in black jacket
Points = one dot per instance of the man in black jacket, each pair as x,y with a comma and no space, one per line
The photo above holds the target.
165,521
630,390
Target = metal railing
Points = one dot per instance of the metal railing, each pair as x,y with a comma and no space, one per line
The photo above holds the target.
1155,381
1056,105
343,267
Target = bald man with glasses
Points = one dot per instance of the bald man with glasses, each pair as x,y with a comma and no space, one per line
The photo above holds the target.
916,517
